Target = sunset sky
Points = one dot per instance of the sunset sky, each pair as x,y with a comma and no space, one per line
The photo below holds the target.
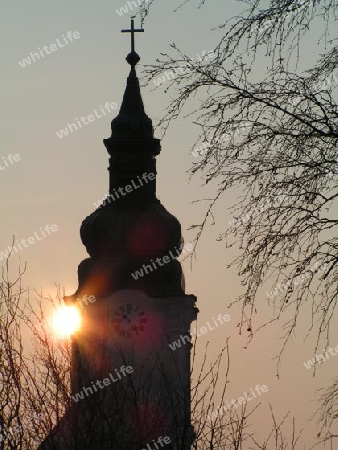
56,181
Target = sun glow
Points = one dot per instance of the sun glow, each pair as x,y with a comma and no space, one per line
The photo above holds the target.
66,321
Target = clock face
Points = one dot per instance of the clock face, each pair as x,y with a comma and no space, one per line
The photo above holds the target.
129,320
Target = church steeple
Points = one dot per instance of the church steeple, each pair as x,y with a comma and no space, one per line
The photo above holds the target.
132,121
140,305
132,146
132,227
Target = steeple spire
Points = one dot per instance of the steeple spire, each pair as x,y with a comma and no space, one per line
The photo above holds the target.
132,122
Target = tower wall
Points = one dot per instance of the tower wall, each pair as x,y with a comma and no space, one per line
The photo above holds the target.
125,341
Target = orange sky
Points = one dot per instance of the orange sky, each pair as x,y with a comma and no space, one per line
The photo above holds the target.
56,181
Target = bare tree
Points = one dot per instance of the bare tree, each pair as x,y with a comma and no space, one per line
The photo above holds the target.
328,414
276,138
34,376
35,387
11,360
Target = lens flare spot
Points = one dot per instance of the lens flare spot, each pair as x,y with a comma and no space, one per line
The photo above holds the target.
66,321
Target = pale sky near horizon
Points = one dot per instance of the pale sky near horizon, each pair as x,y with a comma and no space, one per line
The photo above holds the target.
57,181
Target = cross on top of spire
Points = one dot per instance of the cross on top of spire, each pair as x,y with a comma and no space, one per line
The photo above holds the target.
133,58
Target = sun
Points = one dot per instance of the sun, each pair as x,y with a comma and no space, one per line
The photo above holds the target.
65,321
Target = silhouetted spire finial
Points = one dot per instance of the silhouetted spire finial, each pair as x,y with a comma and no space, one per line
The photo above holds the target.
132,122
133,58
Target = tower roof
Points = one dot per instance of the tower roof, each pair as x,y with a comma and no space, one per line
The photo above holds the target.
132,122
131,226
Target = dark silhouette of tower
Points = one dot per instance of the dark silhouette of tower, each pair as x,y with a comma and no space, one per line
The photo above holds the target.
129,388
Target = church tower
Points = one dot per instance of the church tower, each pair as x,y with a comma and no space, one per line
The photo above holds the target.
130,388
